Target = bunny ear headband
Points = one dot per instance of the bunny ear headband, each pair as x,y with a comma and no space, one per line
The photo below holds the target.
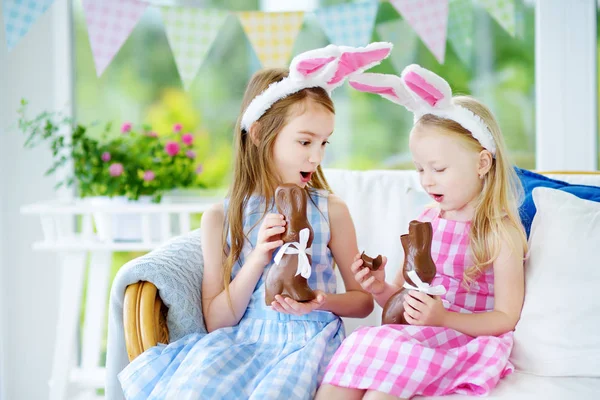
327,67
423,92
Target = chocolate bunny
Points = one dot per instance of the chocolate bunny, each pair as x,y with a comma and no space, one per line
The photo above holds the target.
372,263
282,277
417,257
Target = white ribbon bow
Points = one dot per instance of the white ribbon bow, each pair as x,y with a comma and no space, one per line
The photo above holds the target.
304,268
423,286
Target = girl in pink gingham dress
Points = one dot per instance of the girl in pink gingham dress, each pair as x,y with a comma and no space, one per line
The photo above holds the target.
401,357
458,342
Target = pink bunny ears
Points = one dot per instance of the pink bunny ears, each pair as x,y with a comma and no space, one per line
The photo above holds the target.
423,92
327,67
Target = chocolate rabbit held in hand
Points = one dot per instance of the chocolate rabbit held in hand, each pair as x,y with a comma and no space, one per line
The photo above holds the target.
418,270
293,263
372,263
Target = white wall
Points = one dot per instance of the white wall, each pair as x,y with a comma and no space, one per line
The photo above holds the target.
28,280
566,75
3,331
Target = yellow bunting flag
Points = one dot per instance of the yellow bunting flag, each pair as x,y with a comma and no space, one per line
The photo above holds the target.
272,34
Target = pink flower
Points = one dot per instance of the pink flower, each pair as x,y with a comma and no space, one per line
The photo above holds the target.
115,169
126,127
172,148
188,139
191,154
177,128
199,169
105,156
152,134
149,175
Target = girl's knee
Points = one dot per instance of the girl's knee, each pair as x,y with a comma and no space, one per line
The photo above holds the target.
331,392
376,395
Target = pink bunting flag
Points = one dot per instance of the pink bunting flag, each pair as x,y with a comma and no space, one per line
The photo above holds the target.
110,23
429,19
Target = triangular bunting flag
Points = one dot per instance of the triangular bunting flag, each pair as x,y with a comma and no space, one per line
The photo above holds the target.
19,16
109,24
502,11
404,39
348,24
460,29
429,18
191,33
272,34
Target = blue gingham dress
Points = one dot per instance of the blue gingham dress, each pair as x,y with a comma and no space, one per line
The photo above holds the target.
268,355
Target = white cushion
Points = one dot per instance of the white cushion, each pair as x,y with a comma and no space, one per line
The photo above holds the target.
381,203
559,330
522,386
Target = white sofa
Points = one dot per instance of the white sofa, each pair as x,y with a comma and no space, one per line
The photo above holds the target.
382,203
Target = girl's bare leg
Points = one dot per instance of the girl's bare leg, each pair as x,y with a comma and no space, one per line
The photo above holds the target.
331,392
375,395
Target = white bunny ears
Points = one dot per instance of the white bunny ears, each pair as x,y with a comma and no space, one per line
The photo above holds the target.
423,92
327,67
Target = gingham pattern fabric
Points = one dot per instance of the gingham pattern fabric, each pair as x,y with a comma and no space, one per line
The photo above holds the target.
450,250
19,15
429,18
191,33
272,34
460,29
502,11
405,360
266,356
109,24
348,24
430,361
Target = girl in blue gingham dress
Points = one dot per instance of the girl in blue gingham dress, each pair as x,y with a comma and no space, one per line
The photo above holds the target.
254,350
268,355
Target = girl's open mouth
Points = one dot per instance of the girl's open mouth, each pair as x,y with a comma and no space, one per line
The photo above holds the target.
437,197
305,176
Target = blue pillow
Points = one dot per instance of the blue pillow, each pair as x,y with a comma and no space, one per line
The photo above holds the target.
531,180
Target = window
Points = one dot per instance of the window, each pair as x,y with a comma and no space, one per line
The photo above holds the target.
373,132
142,85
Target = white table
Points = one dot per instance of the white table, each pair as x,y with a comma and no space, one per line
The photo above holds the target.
77,370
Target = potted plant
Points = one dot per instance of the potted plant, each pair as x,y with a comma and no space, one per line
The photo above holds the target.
136,164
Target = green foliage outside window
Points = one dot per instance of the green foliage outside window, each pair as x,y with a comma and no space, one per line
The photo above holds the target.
142,84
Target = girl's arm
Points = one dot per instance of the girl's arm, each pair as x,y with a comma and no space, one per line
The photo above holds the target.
509,289
218,311
391,288
355,302
374,282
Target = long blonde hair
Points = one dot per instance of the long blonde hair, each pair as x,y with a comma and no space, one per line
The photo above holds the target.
254,171
502,193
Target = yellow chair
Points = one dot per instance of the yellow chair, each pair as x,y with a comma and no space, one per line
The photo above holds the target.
144,318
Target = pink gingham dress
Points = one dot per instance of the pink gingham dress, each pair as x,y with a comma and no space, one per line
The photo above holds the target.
406,360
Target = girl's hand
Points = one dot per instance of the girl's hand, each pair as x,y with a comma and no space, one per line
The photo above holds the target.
289,306
268,238
422,309
371,281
